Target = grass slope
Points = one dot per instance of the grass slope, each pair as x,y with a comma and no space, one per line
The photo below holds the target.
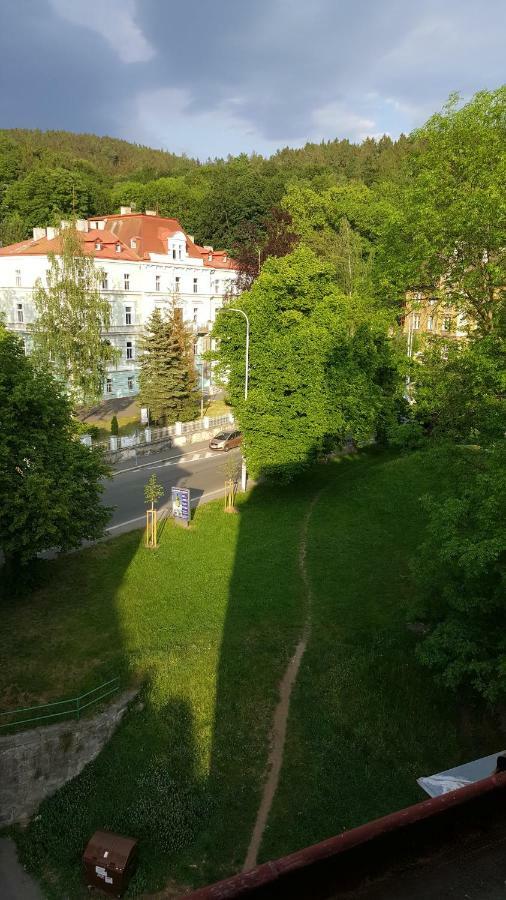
209,622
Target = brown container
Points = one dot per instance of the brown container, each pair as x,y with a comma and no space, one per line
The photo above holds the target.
109,862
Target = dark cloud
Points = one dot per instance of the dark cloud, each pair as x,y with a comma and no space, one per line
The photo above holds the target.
231,75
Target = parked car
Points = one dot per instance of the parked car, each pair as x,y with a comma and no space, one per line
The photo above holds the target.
225,440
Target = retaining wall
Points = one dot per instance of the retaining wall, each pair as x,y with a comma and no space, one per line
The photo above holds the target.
36,763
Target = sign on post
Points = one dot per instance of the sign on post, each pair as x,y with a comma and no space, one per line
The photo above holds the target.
181,509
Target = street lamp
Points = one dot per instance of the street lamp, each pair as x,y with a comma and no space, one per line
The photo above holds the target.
201,388
244,474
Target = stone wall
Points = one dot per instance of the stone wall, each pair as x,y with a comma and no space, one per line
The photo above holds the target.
36,763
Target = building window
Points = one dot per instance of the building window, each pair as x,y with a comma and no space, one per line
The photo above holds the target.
18,277
217,286
179,251
19,311
129,350
130,383
98,245
118,248
128,315
105,283
195,285
108,386
177,284
126,281
447,324
416,322
430,323
157,282
133,244
173,253
195,313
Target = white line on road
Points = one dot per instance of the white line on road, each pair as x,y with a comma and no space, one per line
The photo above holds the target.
167,461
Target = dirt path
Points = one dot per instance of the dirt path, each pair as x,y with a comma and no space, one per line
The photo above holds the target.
280,720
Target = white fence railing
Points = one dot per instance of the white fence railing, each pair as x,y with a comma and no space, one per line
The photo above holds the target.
152,435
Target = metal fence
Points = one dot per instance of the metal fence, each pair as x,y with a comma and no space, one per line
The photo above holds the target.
67,708
150,435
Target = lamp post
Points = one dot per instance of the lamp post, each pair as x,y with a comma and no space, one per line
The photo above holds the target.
201,389
244,474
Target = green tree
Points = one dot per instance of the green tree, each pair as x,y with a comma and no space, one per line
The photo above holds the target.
321,365
461,569
451,216
153,490
460,388
46,193
167,376
343,224
50,483
71,315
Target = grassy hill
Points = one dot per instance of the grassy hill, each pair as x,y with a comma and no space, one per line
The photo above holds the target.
207,623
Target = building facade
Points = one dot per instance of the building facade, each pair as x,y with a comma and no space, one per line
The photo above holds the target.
146,262
428,315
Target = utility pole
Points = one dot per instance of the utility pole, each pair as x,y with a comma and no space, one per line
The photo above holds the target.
244,474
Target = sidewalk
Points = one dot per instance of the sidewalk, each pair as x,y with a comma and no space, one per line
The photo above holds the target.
15,883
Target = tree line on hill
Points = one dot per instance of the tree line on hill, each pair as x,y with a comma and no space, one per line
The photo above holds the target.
46,176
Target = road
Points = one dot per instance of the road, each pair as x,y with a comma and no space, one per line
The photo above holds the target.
195,467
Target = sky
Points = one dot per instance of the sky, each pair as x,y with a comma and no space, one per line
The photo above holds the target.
218,77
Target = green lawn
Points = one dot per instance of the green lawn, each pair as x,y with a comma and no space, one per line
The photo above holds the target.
207,623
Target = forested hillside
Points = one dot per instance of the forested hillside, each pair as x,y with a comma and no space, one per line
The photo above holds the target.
44,175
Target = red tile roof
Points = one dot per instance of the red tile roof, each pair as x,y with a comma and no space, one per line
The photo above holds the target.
150,233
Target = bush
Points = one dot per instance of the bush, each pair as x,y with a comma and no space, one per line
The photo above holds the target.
114,426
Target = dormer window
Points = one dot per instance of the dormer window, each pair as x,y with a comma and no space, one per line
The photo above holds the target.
224,257
118,248
210,257
173,253
98,245
133,243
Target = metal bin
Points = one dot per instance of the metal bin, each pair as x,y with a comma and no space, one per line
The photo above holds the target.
109,862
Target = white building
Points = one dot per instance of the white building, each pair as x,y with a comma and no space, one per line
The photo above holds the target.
146,261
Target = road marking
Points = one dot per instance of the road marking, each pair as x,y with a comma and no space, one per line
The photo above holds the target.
166,507
161,463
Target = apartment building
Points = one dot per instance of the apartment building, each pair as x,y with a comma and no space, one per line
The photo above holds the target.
428,315
145,261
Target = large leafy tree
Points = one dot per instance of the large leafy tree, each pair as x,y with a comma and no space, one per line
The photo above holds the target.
50,483
344,224
460,388
71,316
167,376
49,191
451,220
461,570
321,367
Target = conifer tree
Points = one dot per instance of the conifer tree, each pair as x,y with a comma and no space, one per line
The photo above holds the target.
167,377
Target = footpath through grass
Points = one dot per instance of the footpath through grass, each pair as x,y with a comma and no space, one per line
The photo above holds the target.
207,623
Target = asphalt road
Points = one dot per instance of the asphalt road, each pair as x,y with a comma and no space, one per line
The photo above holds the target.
195,467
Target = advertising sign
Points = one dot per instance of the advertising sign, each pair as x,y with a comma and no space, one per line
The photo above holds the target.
181,508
